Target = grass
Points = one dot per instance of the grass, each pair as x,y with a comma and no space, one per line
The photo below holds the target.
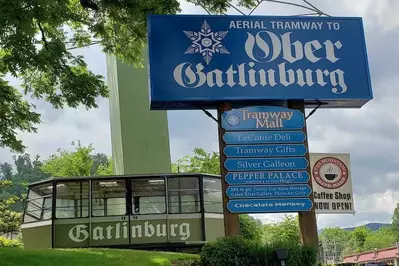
88,257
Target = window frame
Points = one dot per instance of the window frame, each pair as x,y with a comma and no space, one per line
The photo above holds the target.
41,208
125,180
80,208
165,187
198,201
212,190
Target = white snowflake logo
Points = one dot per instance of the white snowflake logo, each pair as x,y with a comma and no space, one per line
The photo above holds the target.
206,42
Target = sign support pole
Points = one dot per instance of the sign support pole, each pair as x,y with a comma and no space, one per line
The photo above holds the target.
231,221
307,220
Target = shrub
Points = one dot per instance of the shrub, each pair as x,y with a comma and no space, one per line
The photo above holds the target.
227,251
239,251
10,243
251,228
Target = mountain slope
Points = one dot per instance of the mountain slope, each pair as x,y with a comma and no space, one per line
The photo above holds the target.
371,226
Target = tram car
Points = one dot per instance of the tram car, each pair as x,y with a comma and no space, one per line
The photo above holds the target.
131,211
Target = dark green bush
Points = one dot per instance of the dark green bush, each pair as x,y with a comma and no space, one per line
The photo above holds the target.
239,251
227,251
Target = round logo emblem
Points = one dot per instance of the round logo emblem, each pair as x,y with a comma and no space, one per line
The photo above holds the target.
330,172
233,120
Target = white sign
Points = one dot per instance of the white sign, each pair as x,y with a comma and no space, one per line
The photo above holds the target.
332,184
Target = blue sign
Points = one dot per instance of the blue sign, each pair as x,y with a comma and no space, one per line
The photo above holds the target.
269,205
265,150
203,60
248,164
256,137
284,191
267,177
263,118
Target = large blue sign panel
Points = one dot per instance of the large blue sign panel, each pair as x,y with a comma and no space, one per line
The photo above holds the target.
269,205
202,59
263,118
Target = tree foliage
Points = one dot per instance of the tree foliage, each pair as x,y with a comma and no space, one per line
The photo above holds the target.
250,227
395,221
14,180
80,162
382,238
9,220
37,41
283,232
198,162
27,170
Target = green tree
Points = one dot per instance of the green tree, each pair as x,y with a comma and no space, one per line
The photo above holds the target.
73,164
36,46
76,163
10,220
286,231
106,168
357,240
250,227
382,238
27,170
199,162
395,221
335,238
100,160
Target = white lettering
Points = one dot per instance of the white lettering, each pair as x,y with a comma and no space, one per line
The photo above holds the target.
136,231
79,233
148,229
98,233
244,74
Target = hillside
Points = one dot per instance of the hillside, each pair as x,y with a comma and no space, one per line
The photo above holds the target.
372,226
89,257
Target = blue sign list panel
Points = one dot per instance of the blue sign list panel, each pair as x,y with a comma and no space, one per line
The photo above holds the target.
266,159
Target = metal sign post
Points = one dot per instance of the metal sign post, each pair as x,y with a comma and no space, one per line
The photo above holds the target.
231,220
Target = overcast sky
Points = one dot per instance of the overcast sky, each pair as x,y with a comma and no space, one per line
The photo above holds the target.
369,134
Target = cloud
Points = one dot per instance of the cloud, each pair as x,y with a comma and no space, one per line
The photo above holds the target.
369,134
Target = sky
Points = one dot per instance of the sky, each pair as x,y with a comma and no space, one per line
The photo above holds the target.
370,134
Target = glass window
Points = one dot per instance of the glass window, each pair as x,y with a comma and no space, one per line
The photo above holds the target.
39,203
108,197
97,207
148,196
213,199
183,193
72,199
